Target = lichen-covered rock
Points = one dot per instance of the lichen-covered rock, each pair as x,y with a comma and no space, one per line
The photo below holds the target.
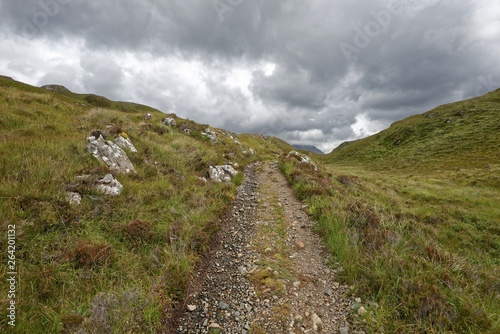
125,143
169,121
108,185
221,173
211,135
302,158
109,153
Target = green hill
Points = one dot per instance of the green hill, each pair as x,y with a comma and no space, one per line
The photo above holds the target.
456,135
133,252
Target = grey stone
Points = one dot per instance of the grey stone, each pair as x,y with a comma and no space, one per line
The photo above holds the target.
223,306
211,135
344,330
110,154
109,186
73,198
221,173
169,121
316,321
302,158
125,143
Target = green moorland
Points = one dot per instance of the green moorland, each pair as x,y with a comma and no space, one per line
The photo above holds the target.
112,264
412,214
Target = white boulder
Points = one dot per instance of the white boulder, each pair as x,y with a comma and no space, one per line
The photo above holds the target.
109,153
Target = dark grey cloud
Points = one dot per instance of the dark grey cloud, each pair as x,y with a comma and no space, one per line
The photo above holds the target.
343,69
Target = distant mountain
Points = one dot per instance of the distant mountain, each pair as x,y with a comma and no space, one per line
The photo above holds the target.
308,148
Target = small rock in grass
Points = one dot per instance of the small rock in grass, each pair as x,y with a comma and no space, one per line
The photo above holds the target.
362,311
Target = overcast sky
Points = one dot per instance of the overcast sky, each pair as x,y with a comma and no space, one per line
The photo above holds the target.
314,72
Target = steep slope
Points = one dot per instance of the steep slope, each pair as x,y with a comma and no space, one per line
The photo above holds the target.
116,263
450,136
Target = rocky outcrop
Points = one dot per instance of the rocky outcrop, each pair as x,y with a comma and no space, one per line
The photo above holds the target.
221,173
108,185
124,142
302,158
109,153
169,121
56,88
211,135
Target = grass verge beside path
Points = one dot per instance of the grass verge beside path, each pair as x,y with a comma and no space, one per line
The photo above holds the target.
426,249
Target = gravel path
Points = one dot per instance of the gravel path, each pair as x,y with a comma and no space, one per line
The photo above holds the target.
268,272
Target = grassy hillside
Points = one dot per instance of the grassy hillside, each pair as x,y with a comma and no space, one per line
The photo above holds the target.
112,263
456,135
413,215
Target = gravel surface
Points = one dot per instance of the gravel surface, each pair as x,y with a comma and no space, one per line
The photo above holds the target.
227,297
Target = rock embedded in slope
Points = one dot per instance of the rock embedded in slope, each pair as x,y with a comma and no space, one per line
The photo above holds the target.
124,142
169,121
56,88
73,198
109,153
302,158
108,185
211,135
221,173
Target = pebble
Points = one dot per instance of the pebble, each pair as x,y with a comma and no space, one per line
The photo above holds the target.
299,244
316,321
362,311
191,308
344,330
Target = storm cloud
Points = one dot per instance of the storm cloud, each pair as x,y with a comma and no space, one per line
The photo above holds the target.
312,72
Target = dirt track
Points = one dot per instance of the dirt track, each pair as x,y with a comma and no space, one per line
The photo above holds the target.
268,271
